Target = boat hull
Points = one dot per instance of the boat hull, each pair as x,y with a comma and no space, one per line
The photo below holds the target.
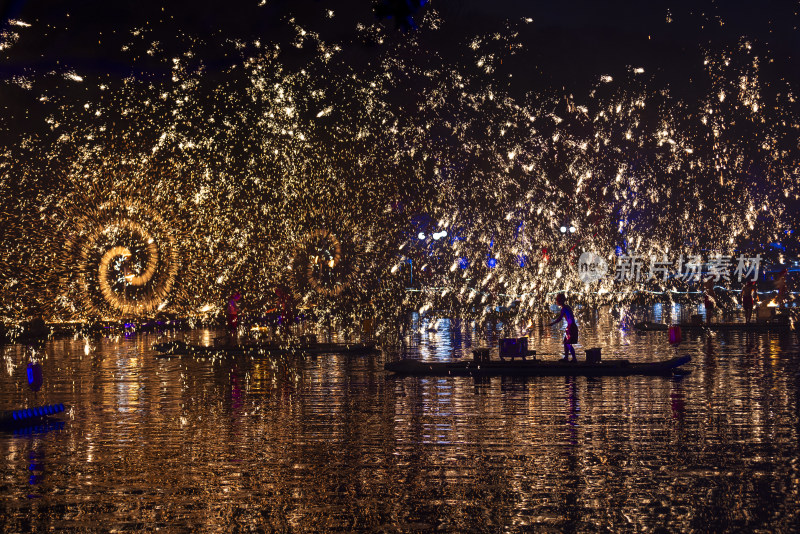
744,327
535,368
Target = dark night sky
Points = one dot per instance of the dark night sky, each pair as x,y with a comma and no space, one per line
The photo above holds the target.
566,47
567,41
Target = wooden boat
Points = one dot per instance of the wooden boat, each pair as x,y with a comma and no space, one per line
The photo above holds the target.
180,348
39,416
767,326
535,368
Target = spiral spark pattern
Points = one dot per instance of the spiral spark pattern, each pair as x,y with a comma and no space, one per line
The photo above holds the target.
318,264
124,262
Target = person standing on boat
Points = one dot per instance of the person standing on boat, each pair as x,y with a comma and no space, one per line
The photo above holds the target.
571,335
782,287
749,296
709,297
233,317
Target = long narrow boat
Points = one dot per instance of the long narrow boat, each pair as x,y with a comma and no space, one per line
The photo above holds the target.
180,348
771,326
39,416
535,368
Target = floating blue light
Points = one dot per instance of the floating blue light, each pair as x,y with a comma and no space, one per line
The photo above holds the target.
35,376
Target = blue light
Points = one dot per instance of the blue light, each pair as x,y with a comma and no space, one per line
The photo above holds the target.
463,263
492,263
35,377
522,260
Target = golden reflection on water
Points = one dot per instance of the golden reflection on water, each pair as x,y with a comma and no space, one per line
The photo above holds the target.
332,443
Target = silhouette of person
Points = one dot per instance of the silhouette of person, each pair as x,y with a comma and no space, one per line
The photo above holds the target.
571,335
749,296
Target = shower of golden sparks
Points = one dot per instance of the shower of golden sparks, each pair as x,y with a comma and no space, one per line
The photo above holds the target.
311,176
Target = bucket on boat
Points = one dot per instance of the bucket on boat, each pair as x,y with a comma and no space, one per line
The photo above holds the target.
514,347
765,313
481,355
593,355
675,334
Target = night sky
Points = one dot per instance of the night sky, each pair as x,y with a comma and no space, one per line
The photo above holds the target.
568,44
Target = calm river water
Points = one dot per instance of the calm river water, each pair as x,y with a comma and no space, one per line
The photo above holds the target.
334,444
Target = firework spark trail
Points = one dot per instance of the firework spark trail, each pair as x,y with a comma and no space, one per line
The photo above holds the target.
631,166
242,170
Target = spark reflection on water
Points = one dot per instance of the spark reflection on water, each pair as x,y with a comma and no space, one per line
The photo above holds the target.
333,443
